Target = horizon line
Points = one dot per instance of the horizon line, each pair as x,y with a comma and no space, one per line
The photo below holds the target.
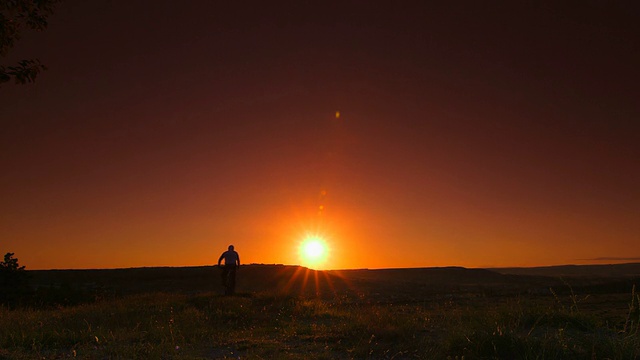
632,261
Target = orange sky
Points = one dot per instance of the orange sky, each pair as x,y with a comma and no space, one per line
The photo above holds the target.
467,136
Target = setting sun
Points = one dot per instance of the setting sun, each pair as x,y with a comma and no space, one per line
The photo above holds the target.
313,251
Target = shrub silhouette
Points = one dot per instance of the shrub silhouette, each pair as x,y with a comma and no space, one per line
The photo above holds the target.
13,281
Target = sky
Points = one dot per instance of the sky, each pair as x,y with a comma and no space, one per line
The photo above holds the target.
401,133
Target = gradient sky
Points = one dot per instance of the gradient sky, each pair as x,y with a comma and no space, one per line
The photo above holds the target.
469,134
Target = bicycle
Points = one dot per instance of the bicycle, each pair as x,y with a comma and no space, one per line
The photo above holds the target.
229,279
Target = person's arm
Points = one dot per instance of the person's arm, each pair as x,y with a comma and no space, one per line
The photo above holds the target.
238,259
220,259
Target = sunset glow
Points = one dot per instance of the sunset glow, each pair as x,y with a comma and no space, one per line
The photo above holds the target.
423,134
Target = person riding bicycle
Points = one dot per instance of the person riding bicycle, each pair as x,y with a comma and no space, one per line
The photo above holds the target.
231,264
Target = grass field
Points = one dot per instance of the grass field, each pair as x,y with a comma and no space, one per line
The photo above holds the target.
294,313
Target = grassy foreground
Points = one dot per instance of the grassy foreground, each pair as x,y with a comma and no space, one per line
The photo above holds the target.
267,326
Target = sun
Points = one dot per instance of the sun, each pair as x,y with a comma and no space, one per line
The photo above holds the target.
313,251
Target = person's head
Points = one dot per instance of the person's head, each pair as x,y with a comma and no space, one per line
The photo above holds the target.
230,247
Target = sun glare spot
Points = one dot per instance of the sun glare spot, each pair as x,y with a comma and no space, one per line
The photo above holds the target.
313,249
313,252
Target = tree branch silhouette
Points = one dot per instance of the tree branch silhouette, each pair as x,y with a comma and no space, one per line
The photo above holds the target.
15,17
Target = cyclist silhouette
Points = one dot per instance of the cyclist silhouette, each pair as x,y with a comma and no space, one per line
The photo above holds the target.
231,264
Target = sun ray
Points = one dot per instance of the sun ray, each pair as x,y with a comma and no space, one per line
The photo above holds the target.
292,280
315,278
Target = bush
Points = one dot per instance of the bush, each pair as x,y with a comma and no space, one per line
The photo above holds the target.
14,285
